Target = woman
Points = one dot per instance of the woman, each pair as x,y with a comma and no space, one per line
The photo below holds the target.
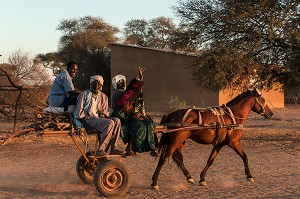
137,127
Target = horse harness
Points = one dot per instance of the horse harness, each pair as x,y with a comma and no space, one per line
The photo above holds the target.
217,111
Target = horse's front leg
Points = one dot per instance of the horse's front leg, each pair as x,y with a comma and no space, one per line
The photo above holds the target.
178,158
238,149
210,161
162,159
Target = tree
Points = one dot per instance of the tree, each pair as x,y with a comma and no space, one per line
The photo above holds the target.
26,70
244,42
160,32
52,61
135,32
84,40
24,84
182,39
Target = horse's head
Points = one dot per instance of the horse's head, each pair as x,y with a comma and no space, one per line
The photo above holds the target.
259,105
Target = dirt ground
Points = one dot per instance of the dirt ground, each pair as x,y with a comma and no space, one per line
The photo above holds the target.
35,167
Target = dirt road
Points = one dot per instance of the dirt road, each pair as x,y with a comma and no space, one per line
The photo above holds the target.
34,167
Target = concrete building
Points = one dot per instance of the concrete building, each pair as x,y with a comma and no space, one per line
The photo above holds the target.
167,76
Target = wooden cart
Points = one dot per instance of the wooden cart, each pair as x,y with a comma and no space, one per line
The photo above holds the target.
109,174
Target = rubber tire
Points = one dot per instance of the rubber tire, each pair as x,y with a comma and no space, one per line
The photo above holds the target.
84,170
117,170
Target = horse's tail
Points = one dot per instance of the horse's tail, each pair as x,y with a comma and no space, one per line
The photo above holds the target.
163,143
163,146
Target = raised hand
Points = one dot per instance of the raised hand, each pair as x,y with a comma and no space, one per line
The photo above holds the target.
141,70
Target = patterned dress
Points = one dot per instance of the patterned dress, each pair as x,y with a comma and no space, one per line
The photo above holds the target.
141,130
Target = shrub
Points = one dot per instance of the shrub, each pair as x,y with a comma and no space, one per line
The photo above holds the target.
176,104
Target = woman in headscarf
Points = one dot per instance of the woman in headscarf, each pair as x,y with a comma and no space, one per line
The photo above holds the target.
137,127
119,85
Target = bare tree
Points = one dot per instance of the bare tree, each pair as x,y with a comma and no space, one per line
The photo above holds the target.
26,69
23,73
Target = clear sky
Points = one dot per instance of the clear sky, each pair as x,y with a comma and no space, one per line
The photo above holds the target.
30,25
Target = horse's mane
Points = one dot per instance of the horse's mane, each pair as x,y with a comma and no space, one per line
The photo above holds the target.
163,119
239,98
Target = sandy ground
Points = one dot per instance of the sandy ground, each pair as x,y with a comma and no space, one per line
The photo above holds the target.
34,167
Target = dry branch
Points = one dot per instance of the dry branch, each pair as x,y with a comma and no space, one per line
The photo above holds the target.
13,87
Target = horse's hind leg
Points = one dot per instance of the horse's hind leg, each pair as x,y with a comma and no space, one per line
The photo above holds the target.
178,158
238,149
210,161
163,157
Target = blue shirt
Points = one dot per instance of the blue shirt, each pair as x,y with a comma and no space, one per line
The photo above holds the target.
60,88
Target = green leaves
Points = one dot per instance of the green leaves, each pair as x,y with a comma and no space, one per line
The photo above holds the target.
160,32
246,42
84,40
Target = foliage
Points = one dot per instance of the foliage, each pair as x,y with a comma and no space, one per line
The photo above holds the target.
135,32
244,42
160,32
84,40
52,61
176,104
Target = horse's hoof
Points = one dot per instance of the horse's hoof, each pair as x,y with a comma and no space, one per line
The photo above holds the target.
202,183
190,180
155,187
250,179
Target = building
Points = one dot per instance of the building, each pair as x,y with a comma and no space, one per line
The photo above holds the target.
167,76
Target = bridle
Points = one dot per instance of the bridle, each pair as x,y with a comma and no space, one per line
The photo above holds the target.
261,102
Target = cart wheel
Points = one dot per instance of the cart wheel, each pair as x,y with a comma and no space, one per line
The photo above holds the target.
85,170
112,178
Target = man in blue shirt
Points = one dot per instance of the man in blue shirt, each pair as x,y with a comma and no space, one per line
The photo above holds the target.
63,92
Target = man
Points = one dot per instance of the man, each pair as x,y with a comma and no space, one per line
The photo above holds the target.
63,93
92,113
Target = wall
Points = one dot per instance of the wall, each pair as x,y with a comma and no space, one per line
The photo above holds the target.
168,75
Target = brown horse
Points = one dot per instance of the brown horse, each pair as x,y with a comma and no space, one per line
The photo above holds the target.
215,129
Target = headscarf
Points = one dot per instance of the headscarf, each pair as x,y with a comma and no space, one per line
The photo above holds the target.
116,79
97,77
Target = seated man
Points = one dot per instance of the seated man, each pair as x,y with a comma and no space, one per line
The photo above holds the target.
137,127
63,92
92,113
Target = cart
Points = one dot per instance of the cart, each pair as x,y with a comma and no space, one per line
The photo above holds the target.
109,174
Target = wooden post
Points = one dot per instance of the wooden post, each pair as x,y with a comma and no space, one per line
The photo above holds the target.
16,108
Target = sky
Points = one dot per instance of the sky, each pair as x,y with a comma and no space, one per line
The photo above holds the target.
30,25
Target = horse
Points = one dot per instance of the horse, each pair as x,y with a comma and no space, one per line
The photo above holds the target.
216,129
